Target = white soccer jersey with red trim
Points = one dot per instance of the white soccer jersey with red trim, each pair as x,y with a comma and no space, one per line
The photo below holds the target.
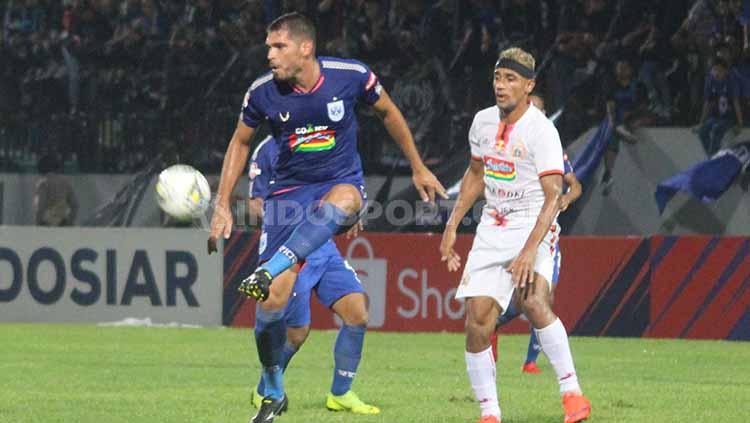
515,157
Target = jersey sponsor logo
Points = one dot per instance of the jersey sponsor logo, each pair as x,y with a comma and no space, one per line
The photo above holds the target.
507,194
312,138
499,169
336,110
284,117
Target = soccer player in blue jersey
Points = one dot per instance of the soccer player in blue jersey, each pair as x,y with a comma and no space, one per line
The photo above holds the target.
572,191
326,272
309,103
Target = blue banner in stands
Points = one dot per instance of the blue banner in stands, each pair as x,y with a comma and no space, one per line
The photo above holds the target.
586,162
706,180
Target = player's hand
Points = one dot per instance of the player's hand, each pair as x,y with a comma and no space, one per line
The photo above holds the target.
221,225
427,185
522,268
447,253
354,231
564,203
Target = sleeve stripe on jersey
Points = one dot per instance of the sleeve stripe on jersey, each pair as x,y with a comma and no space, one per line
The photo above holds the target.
371,82
476,157
330,64
551,172
260,81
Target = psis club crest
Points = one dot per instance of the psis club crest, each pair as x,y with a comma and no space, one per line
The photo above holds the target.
336,110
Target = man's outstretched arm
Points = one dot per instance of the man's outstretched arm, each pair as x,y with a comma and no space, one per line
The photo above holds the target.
235,160
425,182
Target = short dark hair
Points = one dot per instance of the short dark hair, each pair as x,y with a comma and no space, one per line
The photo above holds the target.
296,23
718,61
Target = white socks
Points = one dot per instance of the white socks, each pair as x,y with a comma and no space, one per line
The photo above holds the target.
481,369
554,342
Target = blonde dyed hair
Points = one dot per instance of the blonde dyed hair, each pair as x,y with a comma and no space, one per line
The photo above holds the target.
519,55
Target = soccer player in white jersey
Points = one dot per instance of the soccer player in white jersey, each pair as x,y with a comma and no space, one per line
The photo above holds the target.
517,160
572,190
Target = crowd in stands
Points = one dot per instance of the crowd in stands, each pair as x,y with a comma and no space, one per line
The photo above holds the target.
110,84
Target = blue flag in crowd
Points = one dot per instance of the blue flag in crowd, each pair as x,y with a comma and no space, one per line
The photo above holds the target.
706,180
586,162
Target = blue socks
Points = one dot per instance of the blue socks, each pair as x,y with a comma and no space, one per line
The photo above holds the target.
510,314
346,355
534,348
270,338
310,235
286,356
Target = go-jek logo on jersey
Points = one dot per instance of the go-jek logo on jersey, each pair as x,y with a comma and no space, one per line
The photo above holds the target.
499,169
312,138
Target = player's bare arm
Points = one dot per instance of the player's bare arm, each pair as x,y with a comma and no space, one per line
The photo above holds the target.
472,187
235,160
574,191
425,182
522,267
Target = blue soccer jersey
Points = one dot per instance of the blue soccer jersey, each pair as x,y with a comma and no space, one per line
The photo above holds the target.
325,271
316,132
567,164
261,174
567,168
262,163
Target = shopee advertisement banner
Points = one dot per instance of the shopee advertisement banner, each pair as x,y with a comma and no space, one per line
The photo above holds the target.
410,289
684,287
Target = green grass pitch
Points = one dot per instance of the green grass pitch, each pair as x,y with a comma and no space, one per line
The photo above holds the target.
79,373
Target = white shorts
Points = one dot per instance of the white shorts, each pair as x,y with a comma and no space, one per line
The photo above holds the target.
493,250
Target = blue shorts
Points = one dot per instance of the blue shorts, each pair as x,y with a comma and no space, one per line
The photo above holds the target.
284,211
330,277
556,267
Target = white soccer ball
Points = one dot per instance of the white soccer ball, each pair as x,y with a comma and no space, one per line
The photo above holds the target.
183,192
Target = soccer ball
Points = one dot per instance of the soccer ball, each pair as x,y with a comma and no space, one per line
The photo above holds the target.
182,192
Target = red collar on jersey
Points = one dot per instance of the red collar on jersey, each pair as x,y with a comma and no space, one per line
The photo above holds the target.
317,85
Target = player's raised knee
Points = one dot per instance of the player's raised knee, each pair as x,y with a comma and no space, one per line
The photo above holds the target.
346,197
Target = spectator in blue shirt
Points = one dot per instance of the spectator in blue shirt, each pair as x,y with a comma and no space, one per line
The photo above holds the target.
721,107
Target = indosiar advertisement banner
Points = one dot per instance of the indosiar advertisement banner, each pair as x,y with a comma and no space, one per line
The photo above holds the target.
108,274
